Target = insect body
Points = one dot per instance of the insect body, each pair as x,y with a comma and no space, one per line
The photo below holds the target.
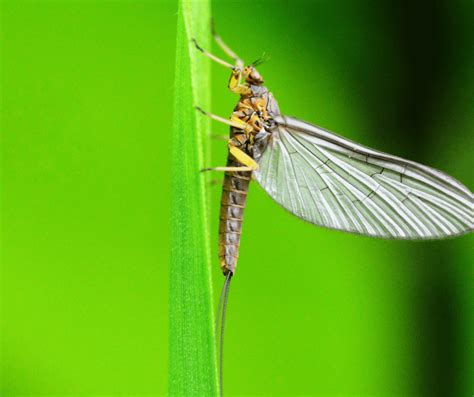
324,178
255,111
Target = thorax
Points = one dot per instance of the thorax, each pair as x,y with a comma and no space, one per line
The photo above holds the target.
258,110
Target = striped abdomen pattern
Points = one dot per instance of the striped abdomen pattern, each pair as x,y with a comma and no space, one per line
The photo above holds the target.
234,196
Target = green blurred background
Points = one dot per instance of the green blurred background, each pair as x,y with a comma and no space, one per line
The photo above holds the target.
87,108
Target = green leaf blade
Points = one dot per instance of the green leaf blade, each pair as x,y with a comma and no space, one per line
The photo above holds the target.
192,363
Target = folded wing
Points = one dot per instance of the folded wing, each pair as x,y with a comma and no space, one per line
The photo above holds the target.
333,182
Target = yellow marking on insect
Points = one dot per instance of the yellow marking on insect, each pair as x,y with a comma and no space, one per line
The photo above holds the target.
239,123
243,158
255,122
235,85
261,105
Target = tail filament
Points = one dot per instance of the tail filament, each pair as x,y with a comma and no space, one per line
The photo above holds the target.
221,314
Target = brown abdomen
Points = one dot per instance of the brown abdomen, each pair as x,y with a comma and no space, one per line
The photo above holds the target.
234,196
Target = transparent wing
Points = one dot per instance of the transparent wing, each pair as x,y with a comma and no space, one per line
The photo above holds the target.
333,182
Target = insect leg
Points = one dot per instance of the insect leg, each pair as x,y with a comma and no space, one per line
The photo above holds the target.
213,57
219,137
228,169
234,121
243,157
248,163
238,62
234,83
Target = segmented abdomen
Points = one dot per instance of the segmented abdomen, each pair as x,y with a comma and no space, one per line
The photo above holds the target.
234,196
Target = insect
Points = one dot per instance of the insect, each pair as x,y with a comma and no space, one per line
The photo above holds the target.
323,178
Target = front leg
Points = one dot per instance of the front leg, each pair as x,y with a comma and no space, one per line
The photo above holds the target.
212,57
234,82
235,85
238,62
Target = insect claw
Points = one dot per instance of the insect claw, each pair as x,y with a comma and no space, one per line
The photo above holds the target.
200,110
197,45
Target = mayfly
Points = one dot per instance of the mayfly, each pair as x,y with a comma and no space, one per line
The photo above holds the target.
323,178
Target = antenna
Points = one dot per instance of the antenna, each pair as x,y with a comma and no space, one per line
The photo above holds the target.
262,59
222,305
